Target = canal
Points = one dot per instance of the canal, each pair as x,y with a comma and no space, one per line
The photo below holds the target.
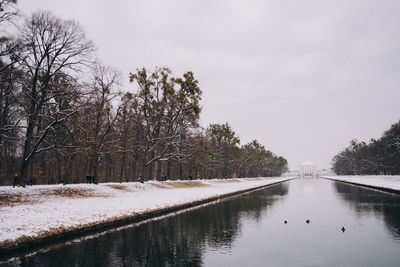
249,230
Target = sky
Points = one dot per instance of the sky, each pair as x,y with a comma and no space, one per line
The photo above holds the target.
304,78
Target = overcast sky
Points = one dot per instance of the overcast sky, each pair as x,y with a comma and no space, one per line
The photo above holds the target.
302,77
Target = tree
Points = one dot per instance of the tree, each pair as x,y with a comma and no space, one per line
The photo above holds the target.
10,117
7,10
166,110
125,136
391,144
50,47
224,147
256,161
380,156
9,75
99,116
8,44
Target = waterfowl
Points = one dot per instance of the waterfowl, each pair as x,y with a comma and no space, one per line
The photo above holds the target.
285,222
343,229
308,221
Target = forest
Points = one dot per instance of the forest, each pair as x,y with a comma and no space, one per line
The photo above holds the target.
378,157
65,115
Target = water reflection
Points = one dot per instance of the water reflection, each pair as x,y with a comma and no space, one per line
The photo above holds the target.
364,200
176,240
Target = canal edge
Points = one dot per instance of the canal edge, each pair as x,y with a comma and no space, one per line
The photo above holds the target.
382,189
26,246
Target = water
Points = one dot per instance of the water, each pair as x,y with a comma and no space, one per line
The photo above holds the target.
249,230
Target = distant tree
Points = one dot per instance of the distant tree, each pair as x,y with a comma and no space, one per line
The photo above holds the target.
256,161
224,148
380,156
391,142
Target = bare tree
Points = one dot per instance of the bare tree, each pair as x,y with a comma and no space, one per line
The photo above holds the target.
51,47
7,10
99,115
8,44
10,117
9,112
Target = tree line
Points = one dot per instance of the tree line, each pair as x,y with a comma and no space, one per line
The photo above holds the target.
65,115
377,157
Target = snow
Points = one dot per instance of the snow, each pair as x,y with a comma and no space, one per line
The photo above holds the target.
32,211
381,181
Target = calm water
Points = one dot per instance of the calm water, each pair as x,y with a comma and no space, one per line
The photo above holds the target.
249,230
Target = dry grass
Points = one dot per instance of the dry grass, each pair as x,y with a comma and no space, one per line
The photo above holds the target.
9,200
186,184
119,187
228,181
160,185
179,184
75,193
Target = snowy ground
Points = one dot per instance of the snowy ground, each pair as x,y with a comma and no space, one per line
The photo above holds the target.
381,181
37,211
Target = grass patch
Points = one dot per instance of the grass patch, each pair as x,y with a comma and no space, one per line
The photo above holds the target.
186,184
160,186
119,187
75,193
228,181
10,200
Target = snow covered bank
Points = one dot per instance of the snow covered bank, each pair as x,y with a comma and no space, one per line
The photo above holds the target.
39,211
384,182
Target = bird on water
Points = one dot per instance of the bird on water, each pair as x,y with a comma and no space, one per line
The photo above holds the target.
308,221
343,229
285,222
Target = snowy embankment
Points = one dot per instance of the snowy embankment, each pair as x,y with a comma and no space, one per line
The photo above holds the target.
39,211
383,182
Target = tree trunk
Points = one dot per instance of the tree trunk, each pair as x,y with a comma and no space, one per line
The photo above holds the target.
25,156
168,170
180,171
122,174
69,170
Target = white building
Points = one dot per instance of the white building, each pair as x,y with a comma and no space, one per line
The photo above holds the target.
308,169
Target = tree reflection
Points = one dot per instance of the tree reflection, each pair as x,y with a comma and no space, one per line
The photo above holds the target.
176,240
382,204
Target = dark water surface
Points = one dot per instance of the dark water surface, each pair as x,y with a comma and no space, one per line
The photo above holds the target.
249,230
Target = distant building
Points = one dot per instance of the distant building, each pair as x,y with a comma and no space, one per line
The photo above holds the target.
308,169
